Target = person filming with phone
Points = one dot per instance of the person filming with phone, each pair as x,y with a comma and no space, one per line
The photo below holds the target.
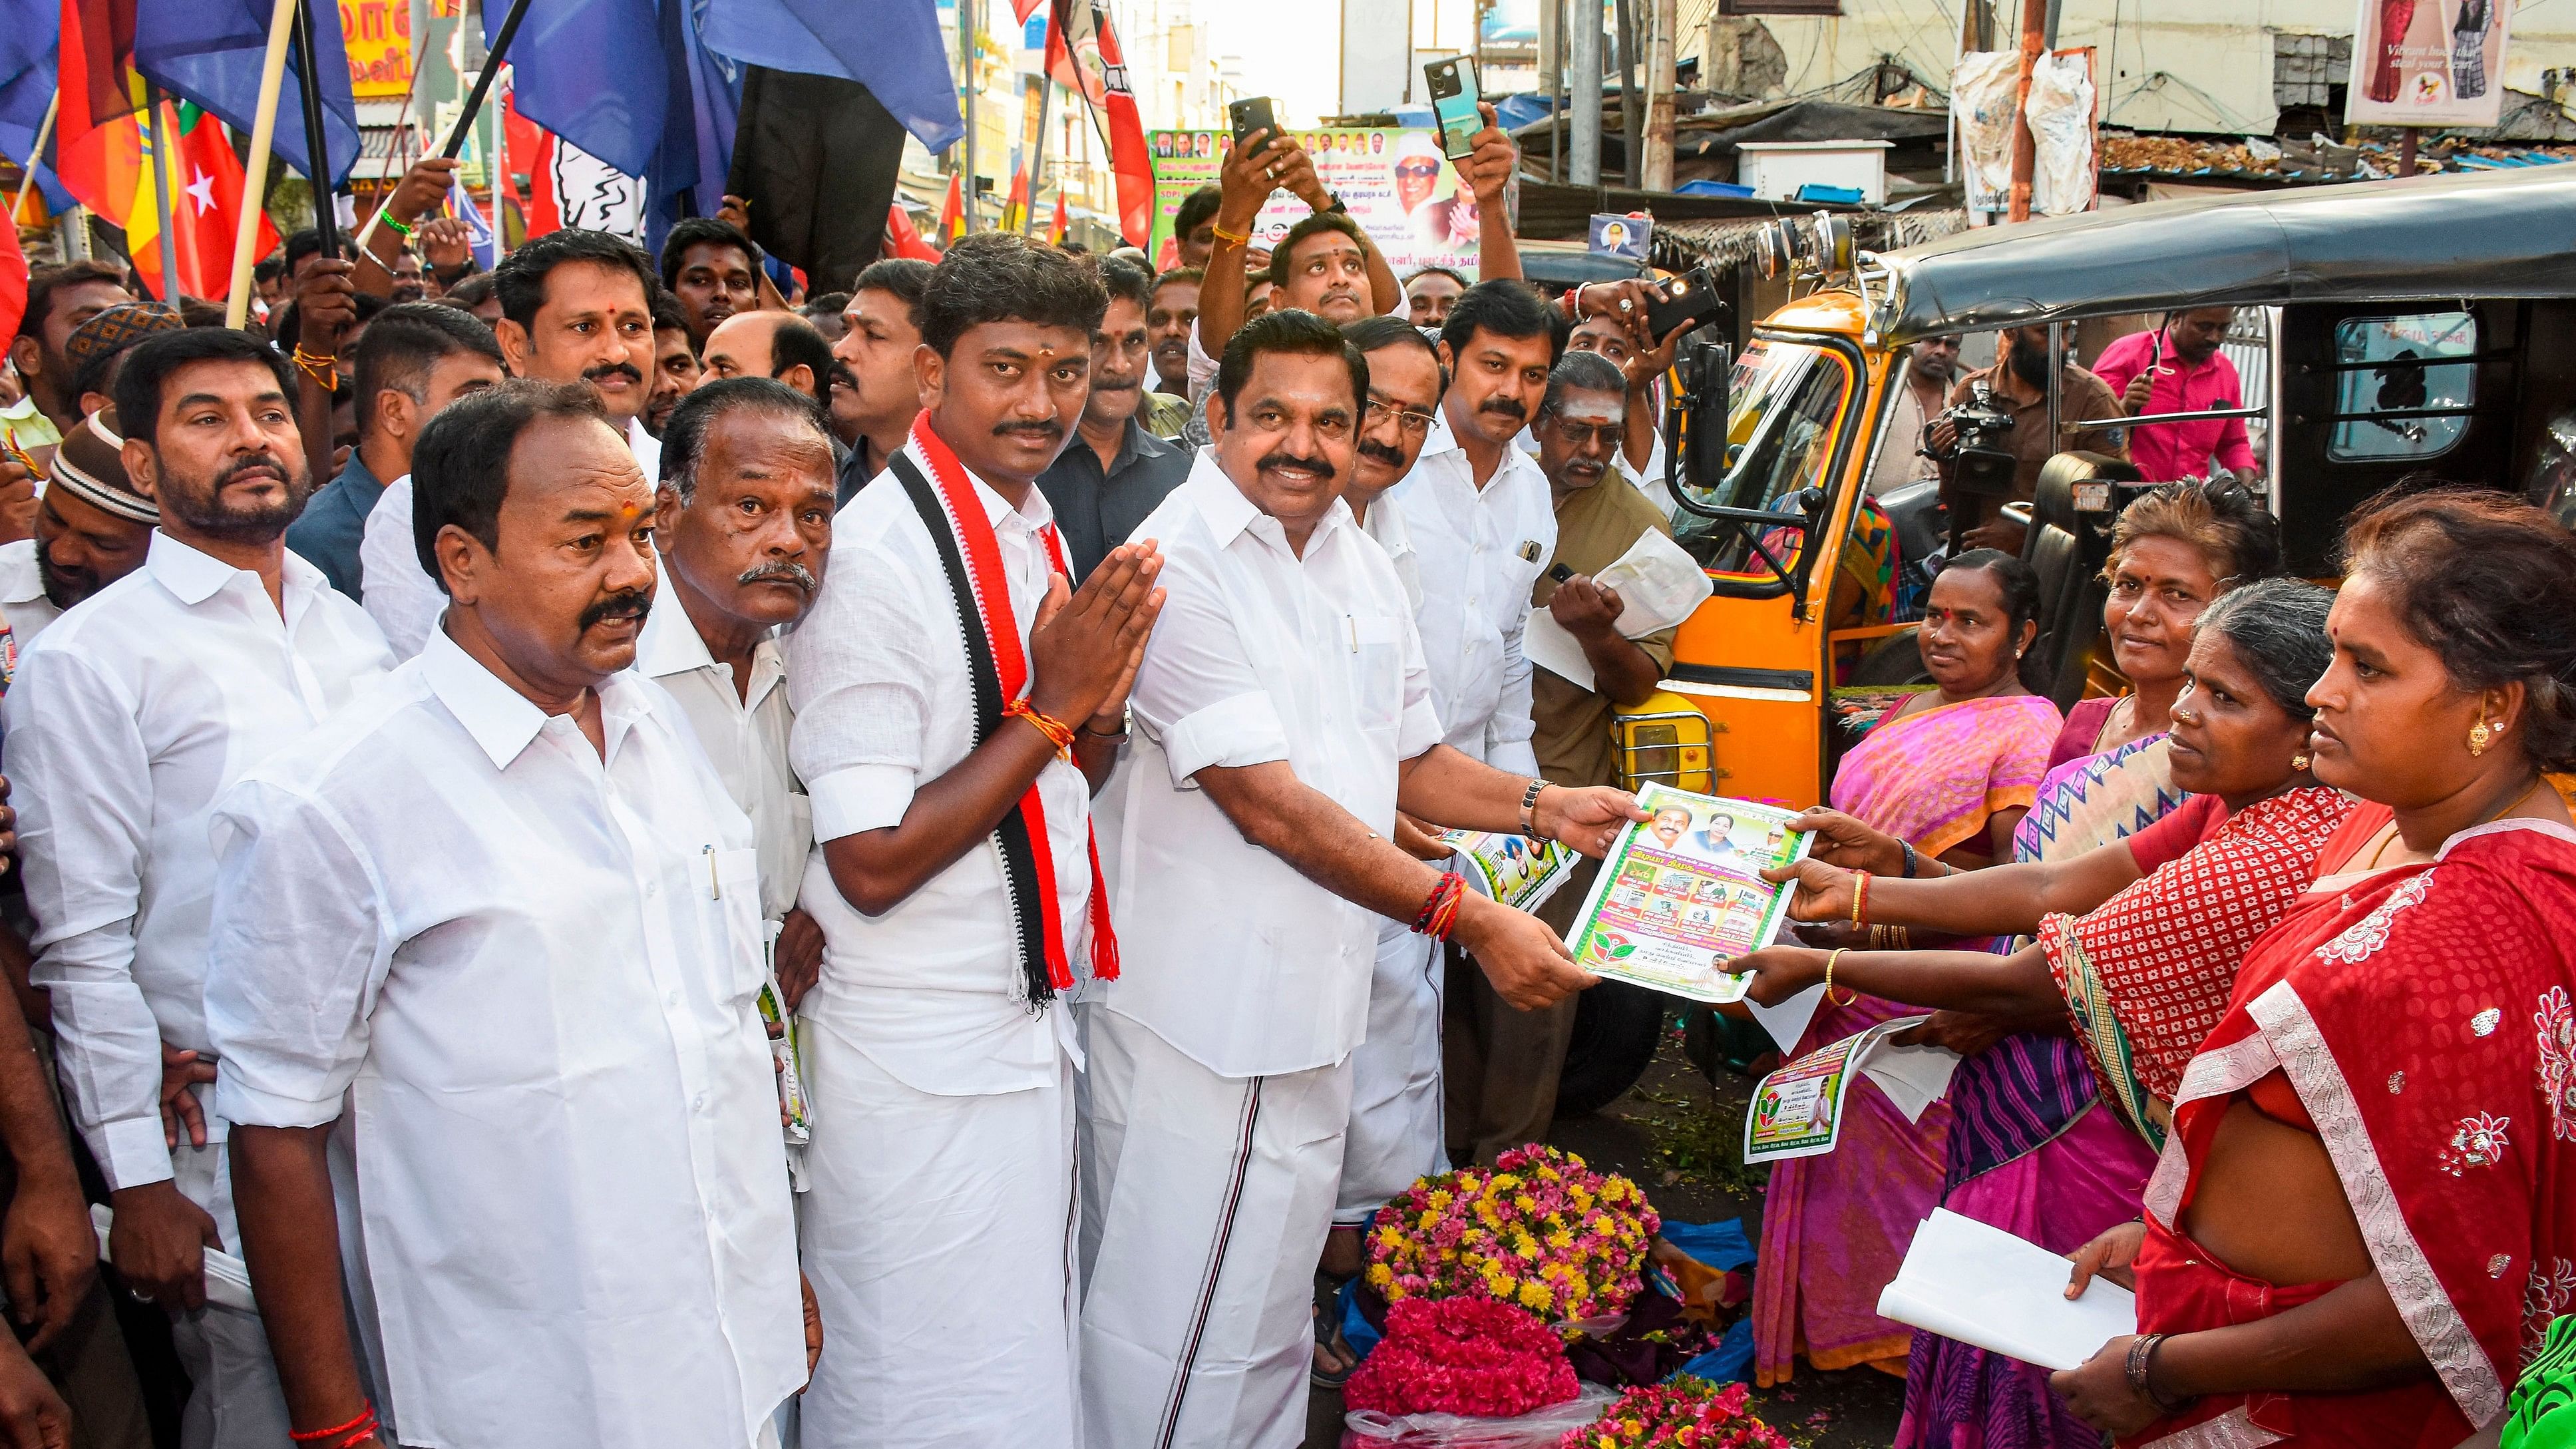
2178,368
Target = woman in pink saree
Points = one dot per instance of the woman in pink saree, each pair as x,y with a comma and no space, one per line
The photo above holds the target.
2363,1218
1949,771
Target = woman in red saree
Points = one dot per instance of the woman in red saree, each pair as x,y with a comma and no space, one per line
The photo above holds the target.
2364,1216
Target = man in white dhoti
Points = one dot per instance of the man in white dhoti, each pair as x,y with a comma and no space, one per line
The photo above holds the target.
954,709
125,722
502,914
1282,714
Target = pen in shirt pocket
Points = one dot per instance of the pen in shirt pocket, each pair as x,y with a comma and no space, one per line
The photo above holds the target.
715,886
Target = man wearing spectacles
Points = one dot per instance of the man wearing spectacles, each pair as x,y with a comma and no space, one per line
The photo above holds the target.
1503,1061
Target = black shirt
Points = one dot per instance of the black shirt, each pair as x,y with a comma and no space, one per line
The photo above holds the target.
1097,510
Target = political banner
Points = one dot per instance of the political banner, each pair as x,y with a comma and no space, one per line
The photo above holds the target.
1398,186
378,36
2428,63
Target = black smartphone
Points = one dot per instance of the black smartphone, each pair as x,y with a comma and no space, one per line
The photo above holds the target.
1560,573
1454,95
1689,298
1250,115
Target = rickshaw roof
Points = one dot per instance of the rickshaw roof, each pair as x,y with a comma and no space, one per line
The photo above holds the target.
2509,233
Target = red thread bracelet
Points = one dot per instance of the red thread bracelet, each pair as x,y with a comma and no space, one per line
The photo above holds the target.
1058,733
340,1436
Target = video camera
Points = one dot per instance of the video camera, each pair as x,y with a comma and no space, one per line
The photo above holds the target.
1979,461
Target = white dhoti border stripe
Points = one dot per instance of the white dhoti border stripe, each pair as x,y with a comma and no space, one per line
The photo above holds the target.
1205,1204
1395,1135
939,1238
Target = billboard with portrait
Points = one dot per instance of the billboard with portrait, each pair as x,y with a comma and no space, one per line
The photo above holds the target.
1398,186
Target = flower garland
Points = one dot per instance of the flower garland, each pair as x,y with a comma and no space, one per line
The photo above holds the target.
1538,1230
1464,1356
1680,1413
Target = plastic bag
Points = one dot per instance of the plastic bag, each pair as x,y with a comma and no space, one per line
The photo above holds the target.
1984,88
1367,1429
2061,132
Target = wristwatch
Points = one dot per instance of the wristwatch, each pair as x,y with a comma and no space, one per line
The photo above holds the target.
1336,204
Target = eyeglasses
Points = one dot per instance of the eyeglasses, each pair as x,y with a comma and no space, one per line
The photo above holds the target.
1419,168
1414,424
1577,434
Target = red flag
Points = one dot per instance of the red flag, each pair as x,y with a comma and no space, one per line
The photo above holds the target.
1083,55
13,280
903,239
98,146
529,144
952,216
1021,10
1063,221
205,207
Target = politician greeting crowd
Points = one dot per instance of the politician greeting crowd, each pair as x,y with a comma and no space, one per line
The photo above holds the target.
615,856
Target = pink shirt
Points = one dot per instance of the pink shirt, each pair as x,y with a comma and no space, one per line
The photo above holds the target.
2166,451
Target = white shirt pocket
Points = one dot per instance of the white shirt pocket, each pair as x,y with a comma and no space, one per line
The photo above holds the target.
1378,693
737,899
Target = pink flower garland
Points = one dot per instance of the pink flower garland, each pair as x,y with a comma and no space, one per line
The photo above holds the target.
1538,1230
1680,1413
1462,1356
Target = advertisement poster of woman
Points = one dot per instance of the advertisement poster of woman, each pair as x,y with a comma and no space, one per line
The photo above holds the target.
2428,62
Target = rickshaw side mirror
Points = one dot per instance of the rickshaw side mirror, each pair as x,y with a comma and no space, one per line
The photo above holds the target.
1696,446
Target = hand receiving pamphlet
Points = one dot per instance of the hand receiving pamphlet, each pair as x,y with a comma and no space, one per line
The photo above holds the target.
1680,895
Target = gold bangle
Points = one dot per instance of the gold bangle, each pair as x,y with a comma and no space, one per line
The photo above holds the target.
1830,958
1239,238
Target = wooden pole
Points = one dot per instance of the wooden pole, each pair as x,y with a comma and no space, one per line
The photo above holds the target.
2406,152
44,133
162,190
1660,41
263,135
2025,158
966,30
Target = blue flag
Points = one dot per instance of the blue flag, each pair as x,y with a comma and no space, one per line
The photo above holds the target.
630,82
478,229
893,47
30,39
210,52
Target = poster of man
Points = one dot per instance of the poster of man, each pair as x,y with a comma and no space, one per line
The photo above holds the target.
1396,183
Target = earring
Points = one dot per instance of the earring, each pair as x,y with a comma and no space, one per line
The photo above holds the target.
2479,735
2300,761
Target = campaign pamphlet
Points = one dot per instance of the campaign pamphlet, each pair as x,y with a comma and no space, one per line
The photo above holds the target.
1681,895
1798,1108
1511,870
1659,585
1987,1288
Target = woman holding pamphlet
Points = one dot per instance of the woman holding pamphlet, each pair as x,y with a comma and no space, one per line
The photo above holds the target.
2025,1102
2364,1221
1950,771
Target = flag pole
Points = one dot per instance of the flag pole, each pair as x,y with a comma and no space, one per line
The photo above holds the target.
317,148
44,133
161,194
483,82
263,133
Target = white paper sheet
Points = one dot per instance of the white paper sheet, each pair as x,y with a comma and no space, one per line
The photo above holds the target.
227,1277
1658,584
1986,1288
1913,1077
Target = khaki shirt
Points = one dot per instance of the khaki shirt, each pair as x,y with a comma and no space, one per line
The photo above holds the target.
2082,398
1594,526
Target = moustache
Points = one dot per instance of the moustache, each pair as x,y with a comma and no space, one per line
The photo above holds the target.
624,604
784,571
257,462
1112,382
1050,431
1377,452
1322,470
1507,407
841,376
607,370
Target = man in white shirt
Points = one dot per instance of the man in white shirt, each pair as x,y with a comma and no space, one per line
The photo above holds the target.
503,918
128,718
92,529
955,708
1395,1071
576,306
1282,715
744,528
